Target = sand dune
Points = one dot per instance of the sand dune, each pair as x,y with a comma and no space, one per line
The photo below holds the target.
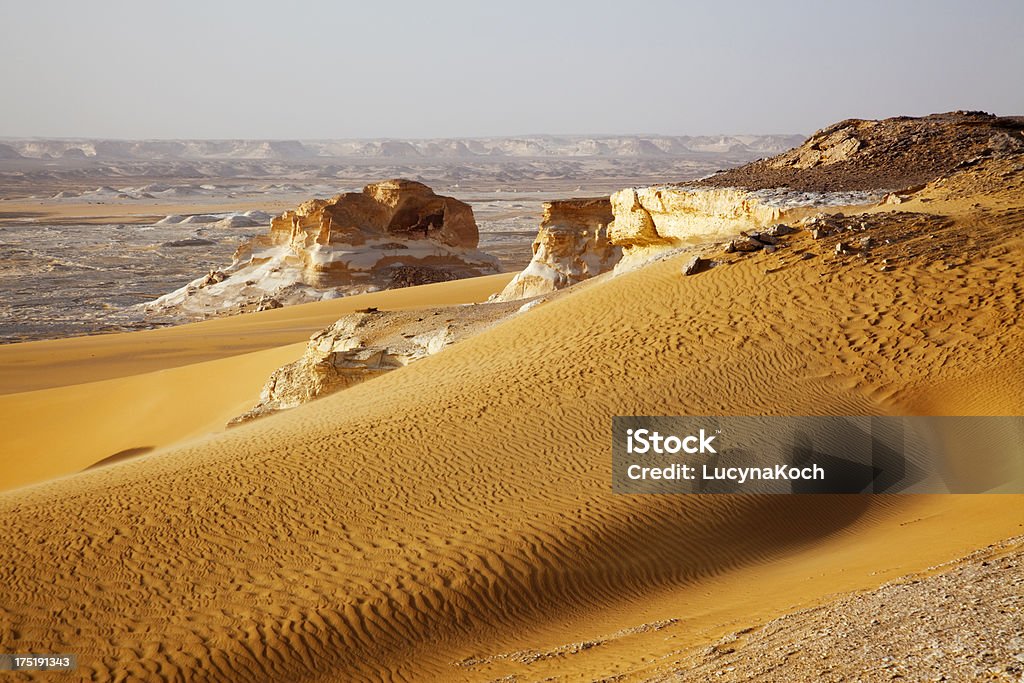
51,363
137,413
371,536
146,390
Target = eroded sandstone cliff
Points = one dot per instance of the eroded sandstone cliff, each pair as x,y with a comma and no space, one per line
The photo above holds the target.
650,221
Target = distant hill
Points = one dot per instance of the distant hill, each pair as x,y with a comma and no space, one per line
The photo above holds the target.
637,146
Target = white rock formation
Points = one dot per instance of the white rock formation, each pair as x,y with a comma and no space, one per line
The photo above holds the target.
651,221
395,233
363,345
571,246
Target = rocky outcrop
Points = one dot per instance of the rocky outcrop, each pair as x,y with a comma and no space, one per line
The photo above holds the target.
885,155
571,246
402,209
8,152
650,221
394,233
823,149
852,162
363,345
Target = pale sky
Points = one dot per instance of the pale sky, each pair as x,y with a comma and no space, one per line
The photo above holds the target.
273,69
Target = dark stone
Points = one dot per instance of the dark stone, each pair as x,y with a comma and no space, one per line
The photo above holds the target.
780,230
745,244
764,238
697,265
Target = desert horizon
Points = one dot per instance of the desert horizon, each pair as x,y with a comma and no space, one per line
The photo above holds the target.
306,377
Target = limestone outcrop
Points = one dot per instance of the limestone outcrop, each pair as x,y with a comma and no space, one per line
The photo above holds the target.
852,162
571,246
394,233
364,345
652,220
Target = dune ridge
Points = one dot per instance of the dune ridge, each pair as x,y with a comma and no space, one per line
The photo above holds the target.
42,364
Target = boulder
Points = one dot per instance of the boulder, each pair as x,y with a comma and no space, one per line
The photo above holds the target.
763,238
744,243
267,303
779,230
697,265
212,278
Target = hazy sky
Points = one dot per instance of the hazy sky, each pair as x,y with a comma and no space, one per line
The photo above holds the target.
216,69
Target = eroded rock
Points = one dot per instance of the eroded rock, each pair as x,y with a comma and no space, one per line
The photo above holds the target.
394,233
571,246
652,221
369,343
743,243
697,265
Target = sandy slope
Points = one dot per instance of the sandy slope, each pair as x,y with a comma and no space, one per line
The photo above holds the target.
50,363
124,415
453,519
145,390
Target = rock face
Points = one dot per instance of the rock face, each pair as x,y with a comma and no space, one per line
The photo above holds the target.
825,148
571,246
394,233
363,345
653,220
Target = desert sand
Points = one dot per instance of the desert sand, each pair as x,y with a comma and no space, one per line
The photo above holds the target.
371,535
143,390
